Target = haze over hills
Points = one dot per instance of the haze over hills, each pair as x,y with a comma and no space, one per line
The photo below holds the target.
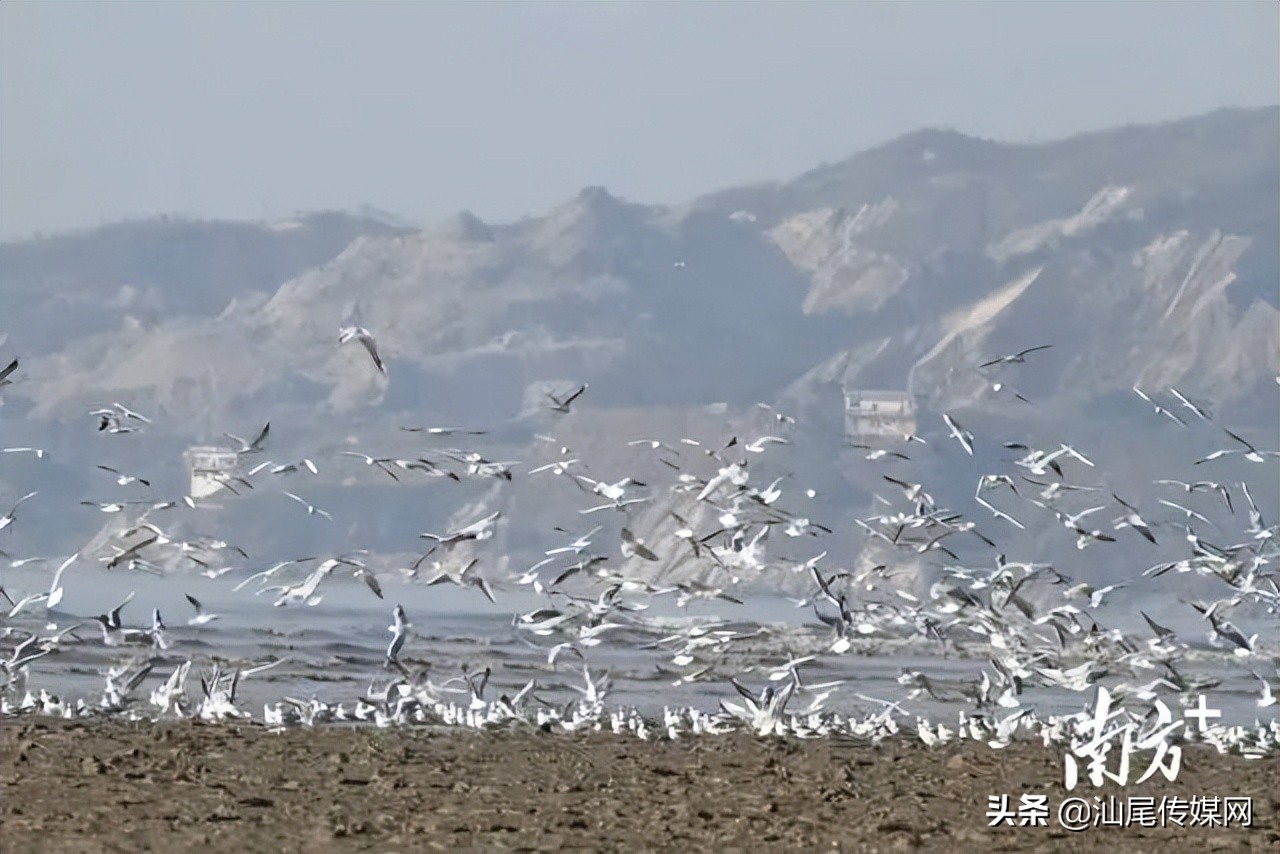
1144,255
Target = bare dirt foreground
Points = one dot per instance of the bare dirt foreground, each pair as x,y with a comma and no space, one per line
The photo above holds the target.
90,787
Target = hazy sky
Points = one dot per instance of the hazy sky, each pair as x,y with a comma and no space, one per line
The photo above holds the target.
257,110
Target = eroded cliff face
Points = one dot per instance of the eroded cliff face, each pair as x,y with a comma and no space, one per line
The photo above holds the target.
912,260
847,274
1123,298
1104,206
1143,256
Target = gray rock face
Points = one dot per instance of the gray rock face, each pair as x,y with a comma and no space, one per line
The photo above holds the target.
1145,255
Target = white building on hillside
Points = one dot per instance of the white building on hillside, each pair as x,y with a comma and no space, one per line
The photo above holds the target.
208,466
872,414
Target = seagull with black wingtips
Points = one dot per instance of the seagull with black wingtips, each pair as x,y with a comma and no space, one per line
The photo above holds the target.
635,547
1199,412
559,404
1190,514
1251,453
7,519
465,577
347,334
1160,410
444,431
201,618
312,510
964,437
479,530
1132,519
1200,485
1016,358
251,447
125,479
399,628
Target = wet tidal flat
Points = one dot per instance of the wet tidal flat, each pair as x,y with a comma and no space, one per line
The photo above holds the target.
89,786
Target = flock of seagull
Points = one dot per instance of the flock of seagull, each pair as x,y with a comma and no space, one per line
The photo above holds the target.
1036,626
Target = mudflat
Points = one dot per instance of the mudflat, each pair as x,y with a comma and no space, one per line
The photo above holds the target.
112,786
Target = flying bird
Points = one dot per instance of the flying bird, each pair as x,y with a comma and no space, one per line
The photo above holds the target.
465,577
251,447
348,334
400,629
997,387
39,453
1019,357
757,447
878,453
444,431
562,405
1132,519
1199,411
113,419
481,530
1160,410
7,519
632,547
285,468
370,580
201,617
124,479
312,510
964,437
1252,454
1200,485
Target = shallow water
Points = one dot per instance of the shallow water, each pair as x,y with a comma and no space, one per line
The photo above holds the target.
335,650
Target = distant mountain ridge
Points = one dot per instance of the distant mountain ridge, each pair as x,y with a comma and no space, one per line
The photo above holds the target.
1143,255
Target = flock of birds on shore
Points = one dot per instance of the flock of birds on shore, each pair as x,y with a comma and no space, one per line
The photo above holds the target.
1036,625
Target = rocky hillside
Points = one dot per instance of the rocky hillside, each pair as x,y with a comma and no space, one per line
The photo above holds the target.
1143,255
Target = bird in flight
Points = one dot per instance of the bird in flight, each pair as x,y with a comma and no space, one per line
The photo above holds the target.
1018,358
562,404
1249,451
964,437
348,334
255,445
1160,410
312,510
125,479
444,431
7,519
400,629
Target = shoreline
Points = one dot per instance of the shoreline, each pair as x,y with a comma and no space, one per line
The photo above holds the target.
106,786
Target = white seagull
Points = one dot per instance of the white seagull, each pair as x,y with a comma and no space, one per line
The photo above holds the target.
39,453
125,479
1016,358
254,446
201,617
1252,454
481,530
400,629
1160,410
964,437
348,334
7,519
312,510
634,547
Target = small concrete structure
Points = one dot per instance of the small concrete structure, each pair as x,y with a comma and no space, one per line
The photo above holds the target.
208,464
870,415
